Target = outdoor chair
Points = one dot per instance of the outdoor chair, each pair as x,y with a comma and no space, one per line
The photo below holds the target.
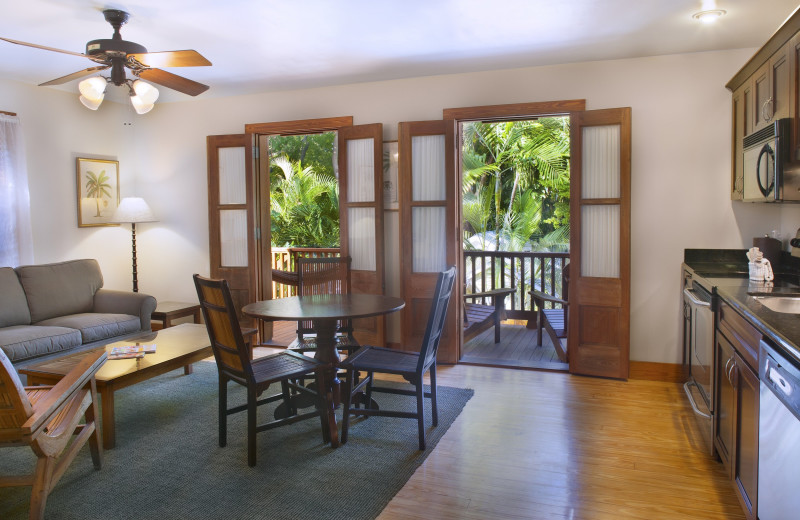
480,316
46,418
554,321
234,364
410,365
323,275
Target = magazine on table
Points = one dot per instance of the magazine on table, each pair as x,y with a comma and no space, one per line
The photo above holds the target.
131,351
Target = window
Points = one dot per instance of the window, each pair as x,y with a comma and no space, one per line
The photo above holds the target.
16,240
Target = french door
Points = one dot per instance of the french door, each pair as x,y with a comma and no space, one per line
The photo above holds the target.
598,338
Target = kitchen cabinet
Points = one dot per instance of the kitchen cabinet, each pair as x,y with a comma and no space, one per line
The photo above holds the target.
737,391
771,89
765,90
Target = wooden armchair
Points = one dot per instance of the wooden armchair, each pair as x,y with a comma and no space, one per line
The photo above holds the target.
46,418
480,316
554,321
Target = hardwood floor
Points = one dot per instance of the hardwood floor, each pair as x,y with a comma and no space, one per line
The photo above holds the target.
548,445
573,448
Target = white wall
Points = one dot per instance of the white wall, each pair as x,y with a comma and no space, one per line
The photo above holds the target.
680,154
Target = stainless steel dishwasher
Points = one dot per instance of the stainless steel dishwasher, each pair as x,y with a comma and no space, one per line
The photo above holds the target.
779,436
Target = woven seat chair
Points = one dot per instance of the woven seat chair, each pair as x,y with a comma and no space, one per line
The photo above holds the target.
47,418
234,364
411,365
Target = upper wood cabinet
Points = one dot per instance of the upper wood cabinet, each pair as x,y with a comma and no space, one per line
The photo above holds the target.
765,90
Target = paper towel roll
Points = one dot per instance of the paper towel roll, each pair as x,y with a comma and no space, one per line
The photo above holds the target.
771,247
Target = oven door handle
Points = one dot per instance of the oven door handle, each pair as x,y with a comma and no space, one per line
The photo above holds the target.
700,303
697,410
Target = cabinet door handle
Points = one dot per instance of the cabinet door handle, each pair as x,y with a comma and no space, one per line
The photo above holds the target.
767,103
729,370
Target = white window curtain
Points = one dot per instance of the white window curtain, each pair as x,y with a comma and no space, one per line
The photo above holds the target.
428,223
16,237
360,170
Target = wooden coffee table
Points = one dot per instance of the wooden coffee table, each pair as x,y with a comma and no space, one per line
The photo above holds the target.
176,347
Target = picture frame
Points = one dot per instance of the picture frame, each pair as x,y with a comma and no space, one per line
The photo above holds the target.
390,188
98,191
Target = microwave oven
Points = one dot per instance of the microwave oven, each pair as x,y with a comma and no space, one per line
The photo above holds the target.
765,161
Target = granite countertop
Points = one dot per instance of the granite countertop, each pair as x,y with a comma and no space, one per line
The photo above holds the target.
722,270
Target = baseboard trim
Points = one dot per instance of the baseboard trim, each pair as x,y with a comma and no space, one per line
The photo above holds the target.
649,371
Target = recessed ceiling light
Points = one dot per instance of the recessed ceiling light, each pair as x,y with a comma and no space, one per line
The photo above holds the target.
709,16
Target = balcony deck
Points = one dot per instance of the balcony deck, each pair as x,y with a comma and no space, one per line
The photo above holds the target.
517,348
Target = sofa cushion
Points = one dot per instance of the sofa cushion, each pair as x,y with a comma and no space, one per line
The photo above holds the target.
13,304
26,341
60,289
95,326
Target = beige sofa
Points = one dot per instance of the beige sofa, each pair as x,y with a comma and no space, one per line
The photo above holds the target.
51,308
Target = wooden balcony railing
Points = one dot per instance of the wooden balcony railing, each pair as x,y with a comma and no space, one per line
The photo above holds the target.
483,271
519,270
285,259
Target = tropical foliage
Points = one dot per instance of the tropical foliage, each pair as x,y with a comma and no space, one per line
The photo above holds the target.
97,186
516,185
304,206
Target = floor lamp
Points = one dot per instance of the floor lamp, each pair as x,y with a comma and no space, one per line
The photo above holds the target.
133,210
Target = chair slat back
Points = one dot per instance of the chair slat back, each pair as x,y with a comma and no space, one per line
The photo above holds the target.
436,318
15,408
322,275
223,327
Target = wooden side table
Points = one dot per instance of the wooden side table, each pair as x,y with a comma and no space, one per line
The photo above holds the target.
167,311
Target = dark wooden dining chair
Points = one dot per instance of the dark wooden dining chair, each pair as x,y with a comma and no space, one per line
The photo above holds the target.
323,275
47,418
234,364
411,365
554,321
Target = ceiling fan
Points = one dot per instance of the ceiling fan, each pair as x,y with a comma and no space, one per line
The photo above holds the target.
117,54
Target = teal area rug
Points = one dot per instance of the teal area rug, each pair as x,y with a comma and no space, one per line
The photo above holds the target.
168,464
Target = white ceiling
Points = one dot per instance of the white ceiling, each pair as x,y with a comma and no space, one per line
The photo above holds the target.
258,46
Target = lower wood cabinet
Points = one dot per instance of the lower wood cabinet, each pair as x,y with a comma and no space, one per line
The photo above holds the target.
737,395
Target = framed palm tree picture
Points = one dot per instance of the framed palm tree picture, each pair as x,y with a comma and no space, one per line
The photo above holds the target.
98,191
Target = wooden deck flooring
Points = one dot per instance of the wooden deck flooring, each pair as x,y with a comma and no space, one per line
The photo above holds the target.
517,347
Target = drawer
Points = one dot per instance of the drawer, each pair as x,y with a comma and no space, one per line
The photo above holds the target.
743,336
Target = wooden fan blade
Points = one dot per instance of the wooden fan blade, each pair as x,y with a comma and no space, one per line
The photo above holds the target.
44,47
173,81
187,58
74,75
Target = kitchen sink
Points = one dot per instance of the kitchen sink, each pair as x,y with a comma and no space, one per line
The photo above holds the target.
786,304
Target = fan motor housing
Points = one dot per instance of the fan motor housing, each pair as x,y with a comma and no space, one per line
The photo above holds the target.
113,48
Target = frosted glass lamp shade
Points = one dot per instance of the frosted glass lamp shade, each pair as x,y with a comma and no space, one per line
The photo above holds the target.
133,210
91,104
145,91
140,106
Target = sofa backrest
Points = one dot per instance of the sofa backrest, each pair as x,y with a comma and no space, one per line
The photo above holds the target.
60,289
13,305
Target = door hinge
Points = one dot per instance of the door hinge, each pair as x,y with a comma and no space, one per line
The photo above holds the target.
258,233
256,152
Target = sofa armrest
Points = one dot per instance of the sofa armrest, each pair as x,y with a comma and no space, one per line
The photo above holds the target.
124,302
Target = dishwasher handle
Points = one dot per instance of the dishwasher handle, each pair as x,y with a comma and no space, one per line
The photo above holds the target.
700,303
689,394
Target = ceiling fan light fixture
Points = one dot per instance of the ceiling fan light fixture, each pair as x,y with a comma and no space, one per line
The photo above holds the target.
91,104
709,16
140,106
146,92
93,88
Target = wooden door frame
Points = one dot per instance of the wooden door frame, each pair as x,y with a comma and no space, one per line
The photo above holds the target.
491,113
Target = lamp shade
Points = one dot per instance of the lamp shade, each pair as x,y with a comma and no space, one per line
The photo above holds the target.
140,106
146,92
133,210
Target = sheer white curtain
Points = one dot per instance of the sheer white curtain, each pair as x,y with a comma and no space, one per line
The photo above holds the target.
16,237
233,191
600,180
428,223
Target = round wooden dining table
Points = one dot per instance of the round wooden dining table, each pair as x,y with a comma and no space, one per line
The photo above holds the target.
324,311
